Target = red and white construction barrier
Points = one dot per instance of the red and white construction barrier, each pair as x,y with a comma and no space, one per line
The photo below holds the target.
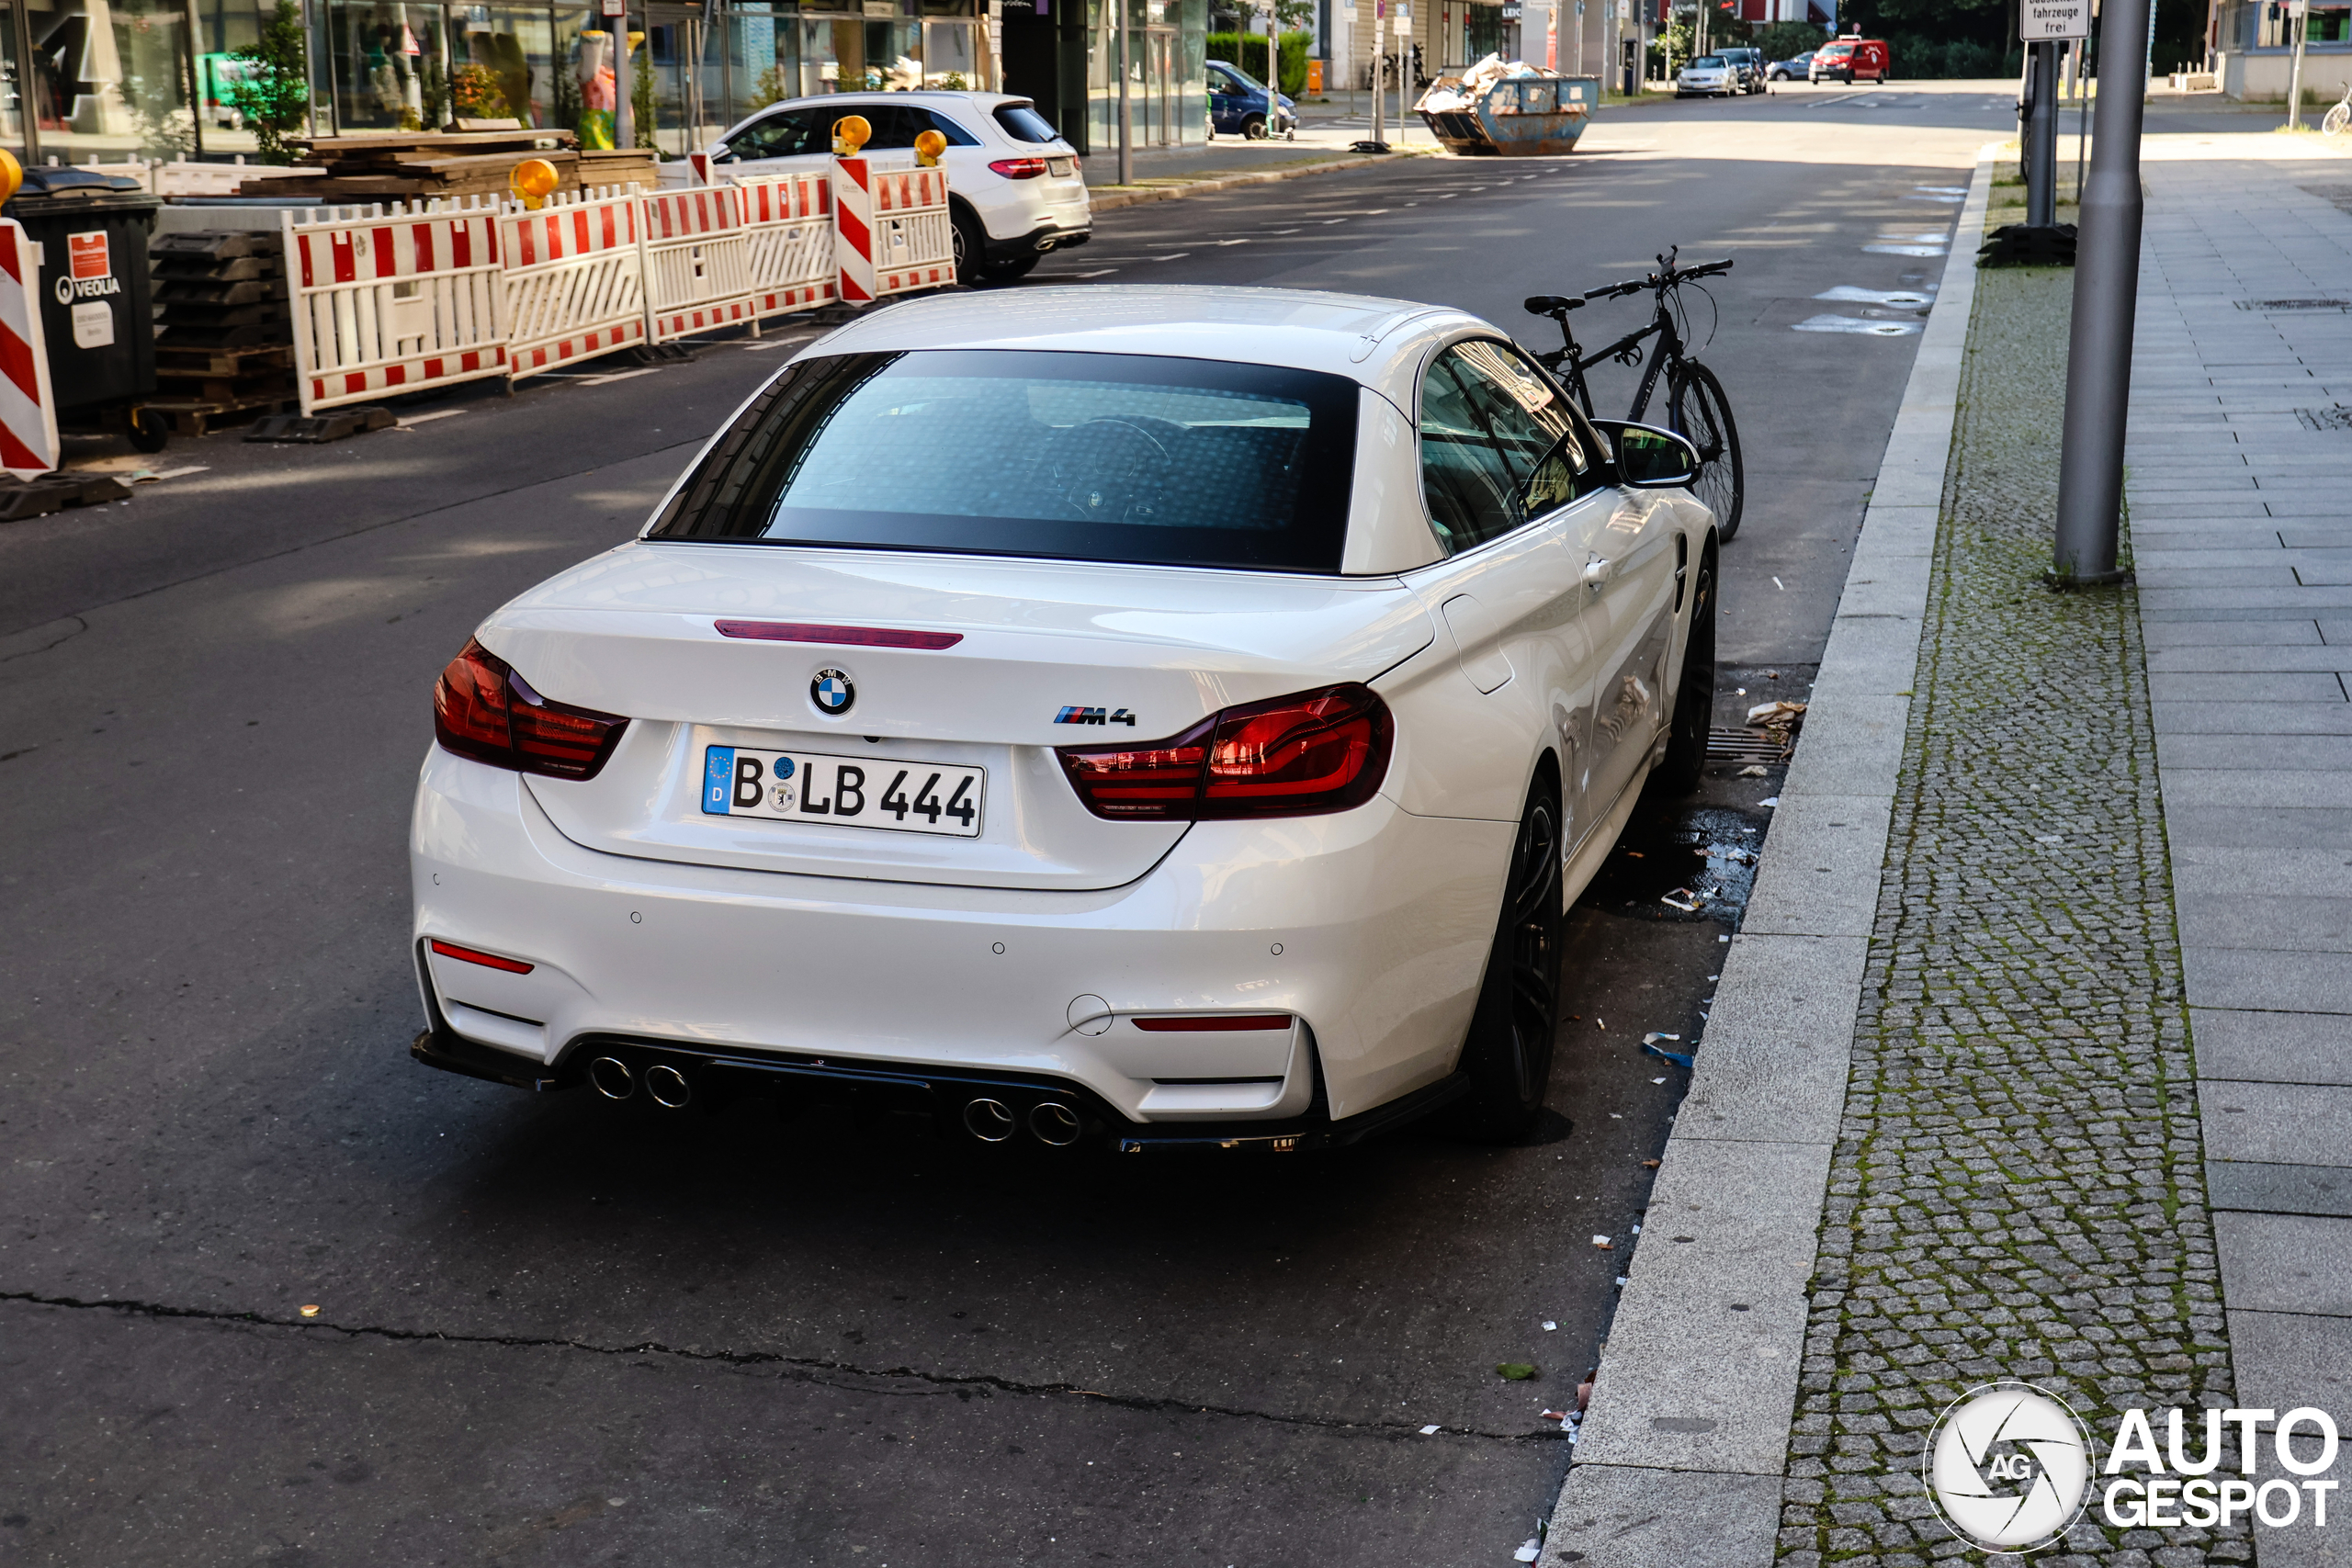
788,230
393,301
698,261
27,414
575,279
891,230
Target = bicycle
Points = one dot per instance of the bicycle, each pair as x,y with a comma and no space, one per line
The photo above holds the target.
1696,407
2339,117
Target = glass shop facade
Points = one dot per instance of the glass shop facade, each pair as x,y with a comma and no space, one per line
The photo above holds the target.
83,79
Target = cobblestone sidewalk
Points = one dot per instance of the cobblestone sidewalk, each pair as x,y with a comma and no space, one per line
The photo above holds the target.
2019,1188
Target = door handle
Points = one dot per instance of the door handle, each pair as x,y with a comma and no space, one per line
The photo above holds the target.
1598,572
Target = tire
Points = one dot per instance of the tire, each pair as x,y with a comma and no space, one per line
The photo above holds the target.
1507,1053
1702,414
971,245
1694,698
2337,118
1008,271
1253,129
150,432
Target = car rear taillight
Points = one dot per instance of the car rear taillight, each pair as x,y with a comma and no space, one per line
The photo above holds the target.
1018,168
483,709
1321,751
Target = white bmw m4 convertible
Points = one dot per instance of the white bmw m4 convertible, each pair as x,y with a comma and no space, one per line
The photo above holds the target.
1114,717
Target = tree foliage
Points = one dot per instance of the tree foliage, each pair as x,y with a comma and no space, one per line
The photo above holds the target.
271,86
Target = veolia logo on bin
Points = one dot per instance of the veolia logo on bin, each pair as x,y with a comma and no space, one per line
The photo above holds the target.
89,276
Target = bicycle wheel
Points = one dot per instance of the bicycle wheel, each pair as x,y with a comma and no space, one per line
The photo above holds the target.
1702,414
2337,118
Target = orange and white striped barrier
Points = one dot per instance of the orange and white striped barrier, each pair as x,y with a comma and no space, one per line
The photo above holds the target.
394,302
788,230
27,414
698,261
575,279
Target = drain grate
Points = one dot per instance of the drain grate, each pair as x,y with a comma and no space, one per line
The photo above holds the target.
2295,304
1741,745
2336,418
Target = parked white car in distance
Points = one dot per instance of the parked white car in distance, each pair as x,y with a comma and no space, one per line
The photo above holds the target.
1110,719
1706,76
1014,187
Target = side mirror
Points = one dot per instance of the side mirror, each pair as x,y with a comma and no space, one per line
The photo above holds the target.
1648,457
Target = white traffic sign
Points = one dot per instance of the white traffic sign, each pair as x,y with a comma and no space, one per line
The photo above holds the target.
2041,21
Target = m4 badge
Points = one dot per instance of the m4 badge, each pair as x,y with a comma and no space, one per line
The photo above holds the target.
1095,715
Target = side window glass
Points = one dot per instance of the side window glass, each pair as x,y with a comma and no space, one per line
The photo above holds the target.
895,128
1465,477
1499,444
932,119
785,135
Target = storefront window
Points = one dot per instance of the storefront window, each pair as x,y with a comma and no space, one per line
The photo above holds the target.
390,72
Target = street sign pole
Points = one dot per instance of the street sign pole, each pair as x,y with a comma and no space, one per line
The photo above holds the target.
1127,114
2041,135
2299,15
1379,51
2106,286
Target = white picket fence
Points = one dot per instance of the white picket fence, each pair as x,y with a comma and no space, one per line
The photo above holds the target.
401,298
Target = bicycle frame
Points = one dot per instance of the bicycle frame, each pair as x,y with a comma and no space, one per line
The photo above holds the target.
1571,362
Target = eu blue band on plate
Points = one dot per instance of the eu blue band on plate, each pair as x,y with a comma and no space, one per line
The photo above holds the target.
718,779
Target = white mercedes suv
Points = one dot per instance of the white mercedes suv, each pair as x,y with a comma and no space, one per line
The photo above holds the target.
1014,189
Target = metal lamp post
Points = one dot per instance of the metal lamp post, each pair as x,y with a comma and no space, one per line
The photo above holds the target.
2106,286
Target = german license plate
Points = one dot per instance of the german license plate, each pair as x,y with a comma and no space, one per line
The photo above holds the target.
1058,167
847,792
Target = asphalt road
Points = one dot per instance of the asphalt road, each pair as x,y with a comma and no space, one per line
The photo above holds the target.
555,1331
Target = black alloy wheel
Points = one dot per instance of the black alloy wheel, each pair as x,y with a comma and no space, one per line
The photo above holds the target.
1694,697
1508,1054
1702,414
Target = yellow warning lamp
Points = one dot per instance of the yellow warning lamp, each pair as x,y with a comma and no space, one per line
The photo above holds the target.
533,181
928,147
12,175
850,132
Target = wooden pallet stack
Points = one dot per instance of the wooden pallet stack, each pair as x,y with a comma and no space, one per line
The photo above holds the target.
417,165
224,333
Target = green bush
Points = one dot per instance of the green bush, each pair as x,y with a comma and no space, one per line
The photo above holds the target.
1786,41
1248,50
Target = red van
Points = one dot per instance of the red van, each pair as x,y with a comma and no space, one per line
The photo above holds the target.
1851,59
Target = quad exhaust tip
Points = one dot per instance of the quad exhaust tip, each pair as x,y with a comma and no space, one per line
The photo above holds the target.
667,1086
990,1120
612,1077
1055,1124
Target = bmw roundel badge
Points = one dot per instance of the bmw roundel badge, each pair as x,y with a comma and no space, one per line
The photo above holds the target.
832,693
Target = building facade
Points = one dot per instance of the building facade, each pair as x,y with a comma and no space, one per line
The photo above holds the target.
107,78
2250,46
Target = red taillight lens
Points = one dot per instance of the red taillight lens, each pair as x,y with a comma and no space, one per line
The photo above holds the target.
483,709
1019,168
1214,1023
1323,750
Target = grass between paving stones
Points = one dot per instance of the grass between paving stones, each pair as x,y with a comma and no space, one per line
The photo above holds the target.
2017,1188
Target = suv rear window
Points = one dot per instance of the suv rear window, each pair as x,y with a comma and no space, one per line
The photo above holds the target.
1024,123
1077,457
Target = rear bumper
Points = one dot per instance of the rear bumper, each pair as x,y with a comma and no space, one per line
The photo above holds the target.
1038,241
1368,929
938,1096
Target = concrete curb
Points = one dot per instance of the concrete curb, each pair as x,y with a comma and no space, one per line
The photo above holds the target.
1683,1448
1112,198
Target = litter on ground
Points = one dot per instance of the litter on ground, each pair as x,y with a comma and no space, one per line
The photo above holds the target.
1515,1371
1431,1431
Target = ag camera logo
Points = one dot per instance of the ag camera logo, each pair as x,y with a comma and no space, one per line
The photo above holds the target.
2008,1466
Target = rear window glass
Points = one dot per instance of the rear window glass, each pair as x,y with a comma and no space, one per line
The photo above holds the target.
1079,456
1706,60
1024,123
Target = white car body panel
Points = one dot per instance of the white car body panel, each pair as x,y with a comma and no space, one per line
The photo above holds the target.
1031,948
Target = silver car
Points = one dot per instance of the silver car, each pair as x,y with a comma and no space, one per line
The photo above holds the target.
1014,189
1706,77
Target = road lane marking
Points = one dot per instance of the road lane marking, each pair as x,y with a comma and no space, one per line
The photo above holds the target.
416,419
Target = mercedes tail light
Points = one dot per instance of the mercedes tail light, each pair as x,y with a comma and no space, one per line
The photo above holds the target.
483,709
1018,168
1321,751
